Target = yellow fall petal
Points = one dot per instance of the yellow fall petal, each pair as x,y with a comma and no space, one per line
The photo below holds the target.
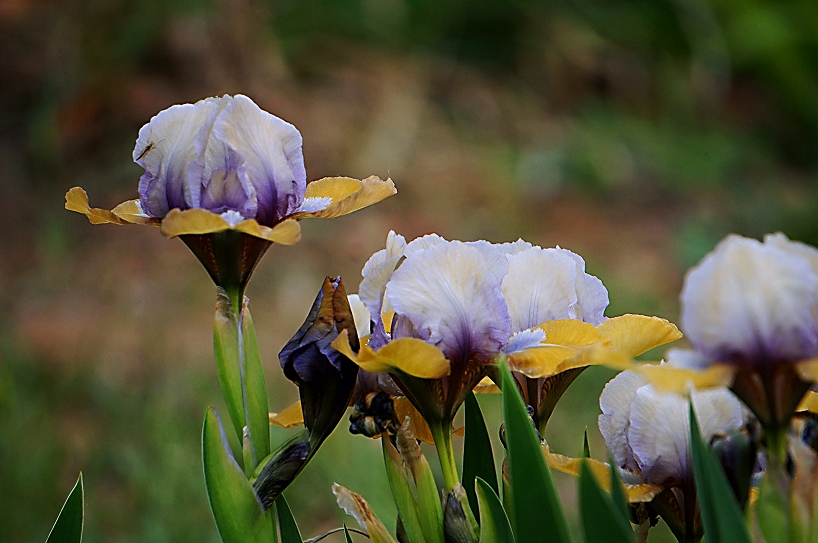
598,355
564,339
636,334
76,200
291,416
644,492
337,188
411,356
572,333
192,221
667,378
486,386
809,402
808,369
403,409
287,232
347,194
202,221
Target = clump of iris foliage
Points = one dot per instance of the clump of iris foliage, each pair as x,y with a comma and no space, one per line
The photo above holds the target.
719,442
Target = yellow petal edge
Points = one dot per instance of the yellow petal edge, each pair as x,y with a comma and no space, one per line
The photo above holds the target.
290,417
411,356
347,194
76,199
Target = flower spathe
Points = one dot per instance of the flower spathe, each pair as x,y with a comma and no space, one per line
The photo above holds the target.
225,166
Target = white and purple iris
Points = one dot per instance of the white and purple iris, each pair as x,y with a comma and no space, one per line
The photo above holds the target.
225,155
474,301
753,303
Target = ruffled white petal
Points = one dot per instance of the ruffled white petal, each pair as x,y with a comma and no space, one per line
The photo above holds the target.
165,148
378,270
592,296
648,431
360,315
540,286
270,149
614,422
453,300
753,300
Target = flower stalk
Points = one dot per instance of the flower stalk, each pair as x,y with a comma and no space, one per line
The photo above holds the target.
442,433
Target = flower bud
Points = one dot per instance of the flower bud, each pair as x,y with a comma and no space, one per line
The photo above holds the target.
459,524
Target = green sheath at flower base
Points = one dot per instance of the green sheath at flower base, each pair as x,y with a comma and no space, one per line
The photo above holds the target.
241,375
430,511
237,510
228,360
400,481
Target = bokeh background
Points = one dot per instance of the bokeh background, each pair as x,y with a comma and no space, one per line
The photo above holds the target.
635,132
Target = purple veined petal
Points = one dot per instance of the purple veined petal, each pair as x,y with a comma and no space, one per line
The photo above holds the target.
273,161
592,296
221,189
452,299
165,148
376,274
751,300
541,285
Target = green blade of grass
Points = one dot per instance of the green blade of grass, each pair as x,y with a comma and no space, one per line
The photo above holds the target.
601,519
478,458
286,522
721,515
494,524
536,508
68,526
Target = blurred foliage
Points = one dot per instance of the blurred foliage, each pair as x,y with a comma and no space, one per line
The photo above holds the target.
636,133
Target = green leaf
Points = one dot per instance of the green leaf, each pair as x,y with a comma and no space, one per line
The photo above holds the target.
772,509
255,391
601,519
402,492
586,449
620,500
228,364
494,525
721,515
286,522
534,500
235,506
346,534
478,459
68,526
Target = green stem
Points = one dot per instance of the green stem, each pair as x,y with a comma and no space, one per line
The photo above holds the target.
442,433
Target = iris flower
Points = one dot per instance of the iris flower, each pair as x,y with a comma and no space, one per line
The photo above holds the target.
559,328
445,312
228,178
647,432
750,311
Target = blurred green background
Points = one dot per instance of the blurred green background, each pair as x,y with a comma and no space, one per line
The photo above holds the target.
635,132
